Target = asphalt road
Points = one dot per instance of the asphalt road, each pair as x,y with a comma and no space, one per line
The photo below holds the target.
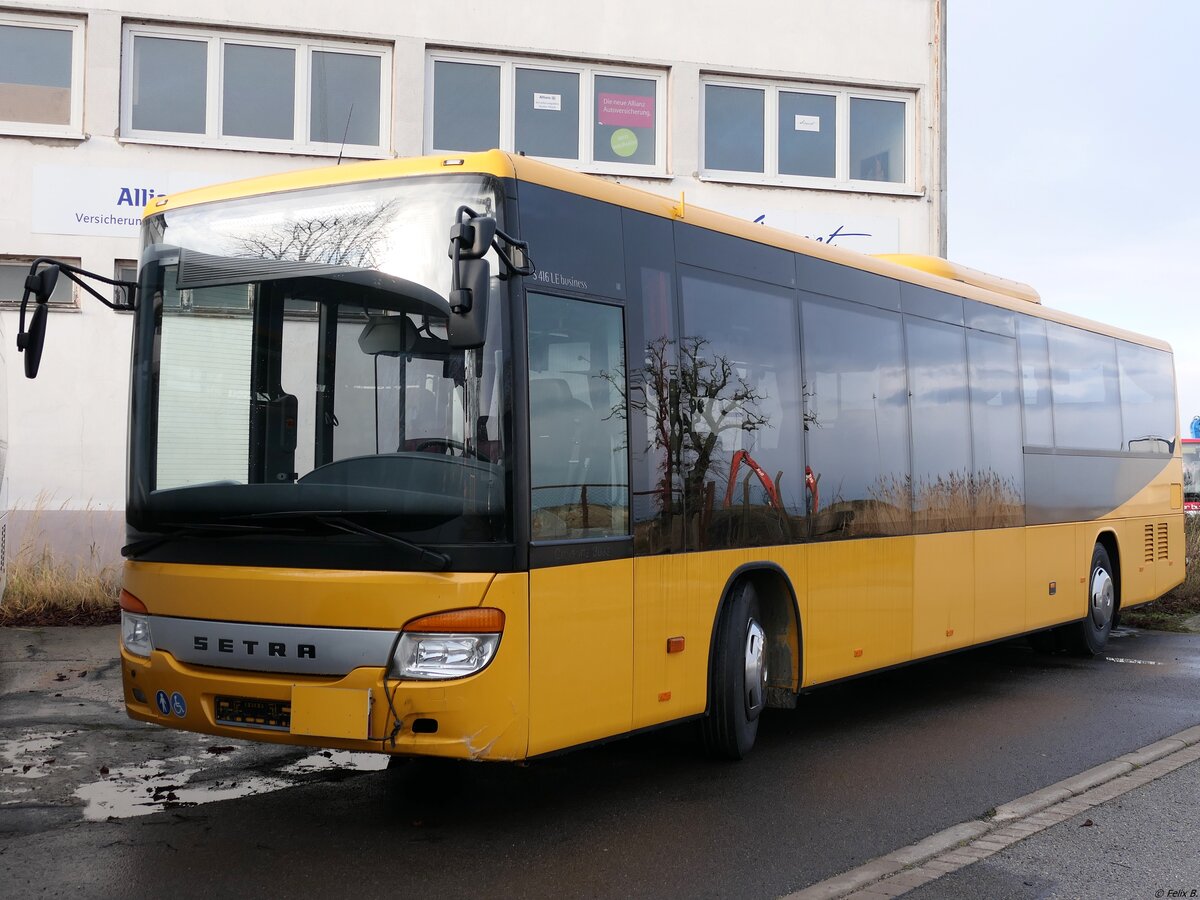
856,771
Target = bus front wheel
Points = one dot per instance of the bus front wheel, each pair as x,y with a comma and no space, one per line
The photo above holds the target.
1088,636
738,680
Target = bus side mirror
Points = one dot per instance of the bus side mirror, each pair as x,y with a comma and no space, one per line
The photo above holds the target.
42,284
473,237
30,341
470,241
467,327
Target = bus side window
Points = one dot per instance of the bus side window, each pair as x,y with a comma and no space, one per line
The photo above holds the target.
741,409
1037,415
578,438
858,439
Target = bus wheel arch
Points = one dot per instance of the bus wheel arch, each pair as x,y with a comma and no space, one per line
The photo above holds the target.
757,604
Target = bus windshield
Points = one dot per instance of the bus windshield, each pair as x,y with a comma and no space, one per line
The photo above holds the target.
297,369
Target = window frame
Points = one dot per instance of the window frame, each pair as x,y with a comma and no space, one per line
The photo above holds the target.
74,126
303,48
587,73
53,305
843,95
118,294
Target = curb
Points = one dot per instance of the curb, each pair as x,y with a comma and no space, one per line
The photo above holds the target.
968,842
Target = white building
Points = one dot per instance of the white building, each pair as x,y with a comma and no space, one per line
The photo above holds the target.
824,117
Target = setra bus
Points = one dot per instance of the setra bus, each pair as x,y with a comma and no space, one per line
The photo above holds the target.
1191,475
473,456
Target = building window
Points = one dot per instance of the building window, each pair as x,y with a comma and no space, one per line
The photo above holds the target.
123,270
41,76
808,136
13,271
254,92
597,118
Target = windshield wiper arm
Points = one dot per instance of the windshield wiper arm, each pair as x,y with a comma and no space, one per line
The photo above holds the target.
439,560
339,521
191,530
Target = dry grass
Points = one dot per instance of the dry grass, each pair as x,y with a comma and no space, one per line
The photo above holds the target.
44,590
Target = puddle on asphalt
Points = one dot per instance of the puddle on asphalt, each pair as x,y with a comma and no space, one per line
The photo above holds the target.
171,782
338,759
141,790
30,756
1134,662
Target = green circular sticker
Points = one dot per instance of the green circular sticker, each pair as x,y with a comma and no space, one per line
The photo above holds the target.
624,142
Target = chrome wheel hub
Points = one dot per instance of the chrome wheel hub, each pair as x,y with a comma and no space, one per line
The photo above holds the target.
756,669
1102,598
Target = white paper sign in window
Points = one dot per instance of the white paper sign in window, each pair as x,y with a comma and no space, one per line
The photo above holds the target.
548,101
808,123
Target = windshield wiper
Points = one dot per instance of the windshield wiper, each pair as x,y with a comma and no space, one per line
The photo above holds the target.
172,532
338,520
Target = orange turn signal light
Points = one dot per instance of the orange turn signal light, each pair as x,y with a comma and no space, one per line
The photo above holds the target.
132,604
460,621
675,644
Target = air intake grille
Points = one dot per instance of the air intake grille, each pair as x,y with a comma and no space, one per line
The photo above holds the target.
1163,542
1149,544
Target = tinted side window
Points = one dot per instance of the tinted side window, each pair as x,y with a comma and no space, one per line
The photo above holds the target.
1147,398
857,398
577,433
930,304
1087,408
739,385
835,280
986,317
941,426
999,481
575,242
1035,382
737,256
653,384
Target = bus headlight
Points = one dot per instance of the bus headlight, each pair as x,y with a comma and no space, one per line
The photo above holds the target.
135,634
447,645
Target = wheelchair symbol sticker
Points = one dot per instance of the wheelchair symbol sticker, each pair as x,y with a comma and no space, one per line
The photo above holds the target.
164,705
178,706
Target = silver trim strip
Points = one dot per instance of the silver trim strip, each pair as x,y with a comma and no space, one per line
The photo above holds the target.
280,649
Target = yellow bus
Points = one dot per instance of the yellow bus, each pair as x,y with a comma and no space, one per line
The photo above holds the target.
477,457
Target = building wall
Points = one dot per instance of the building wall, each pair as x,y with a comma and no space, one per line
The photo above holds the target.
67,429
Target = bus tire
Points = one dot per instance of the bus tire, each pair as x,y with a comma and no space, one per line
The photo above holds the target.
738,678
1088,636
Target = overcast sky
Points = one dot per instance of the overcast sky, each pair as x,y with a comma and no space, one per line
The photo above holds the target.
1074,159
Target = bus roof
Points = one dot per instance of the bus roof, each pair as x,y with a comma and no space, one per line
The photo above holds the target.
928,271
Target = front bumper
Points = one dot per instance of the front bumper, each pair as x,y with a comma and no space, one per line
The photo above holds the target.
473,721
482,716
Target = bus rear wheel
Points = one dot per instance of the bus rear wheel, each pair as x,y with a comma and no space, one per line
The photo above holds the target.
738,680
1088,636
